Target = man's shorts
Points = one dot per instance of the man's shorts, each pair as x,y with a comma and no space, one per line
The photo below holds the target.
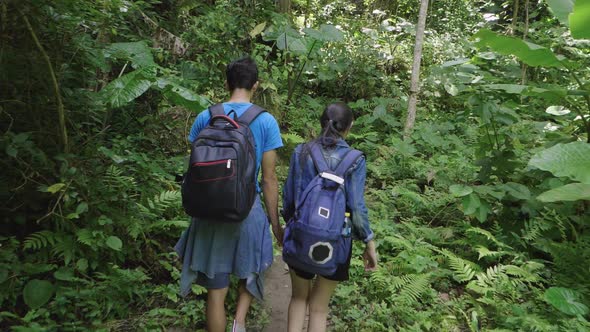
220,280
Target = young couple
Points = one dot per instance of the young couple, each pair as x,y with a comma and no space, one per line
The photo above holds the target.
211,251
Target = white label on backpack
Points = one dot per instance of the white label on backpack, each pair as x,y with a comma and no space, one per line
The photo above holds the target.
323,212
332,177
228,163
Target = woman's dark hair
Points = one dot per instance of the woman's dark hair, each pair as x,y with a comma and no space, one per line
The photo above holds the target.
241,74
335,120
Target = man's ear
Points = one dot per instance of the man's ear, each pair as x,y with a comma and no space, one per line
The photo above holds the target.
255,86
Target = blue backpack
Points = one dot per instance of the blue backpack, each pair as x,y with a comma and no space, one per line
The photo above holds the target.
314,240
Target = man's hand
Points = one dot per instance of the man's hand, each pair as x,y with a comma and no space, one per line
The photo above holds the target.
270,190
279,233
370,257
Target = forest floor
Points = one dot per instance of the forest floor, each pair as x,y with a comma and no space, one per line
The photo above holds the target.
277,293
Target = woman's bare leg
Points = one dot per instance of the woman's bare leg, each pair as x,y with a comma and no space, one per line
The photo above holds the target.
298,305
318,303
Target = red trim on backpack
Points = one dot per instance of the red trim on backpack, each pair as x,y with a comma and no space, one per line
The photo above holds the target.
228,119
210,163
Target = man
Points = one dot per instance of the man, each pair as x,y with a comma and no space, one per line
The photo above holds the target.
212,250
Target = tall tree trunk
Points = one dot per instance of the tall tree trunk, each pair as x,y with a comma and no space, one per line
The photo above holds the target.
414,82
60,106
284,6
524,35
514,16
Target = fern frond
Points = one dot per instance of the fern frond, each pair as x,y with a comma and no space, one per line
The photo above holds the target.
40,240
485,252
292,138
415,287
464,270
167,224
488,235
65,248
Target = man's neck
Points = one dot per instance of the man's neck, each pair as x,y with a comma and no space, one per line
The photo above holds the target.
240,96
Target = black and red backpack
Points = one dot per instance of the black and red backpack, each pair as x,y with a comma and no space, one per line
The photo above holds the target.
220,183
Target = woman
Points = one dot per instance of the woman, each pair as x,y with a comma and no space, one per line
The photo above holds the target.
336,122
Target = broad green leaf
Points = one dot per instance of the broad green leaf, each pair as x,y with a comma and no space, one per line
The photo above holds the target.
554,93
64,274
37,292
532,54
183,96
114,243
137,52
451,89
257,29
580,20
11,151
557,110
82,207
128,87
82,264
571,160
331,33
565,300
569,192
325,33
459,190
55,187
470,203
517,190
482,211
291,40
561,9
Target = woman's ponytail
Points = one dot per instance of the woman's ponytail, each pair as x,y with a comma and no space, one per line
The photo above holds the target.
335,120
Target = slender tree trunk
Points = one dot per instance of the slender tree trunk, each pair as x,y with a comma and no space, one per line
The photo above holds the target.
60,106
514,17
284,6
524,35
414,81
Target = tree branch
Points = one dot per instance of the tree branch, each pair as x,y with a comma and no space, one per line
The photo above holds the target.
60,105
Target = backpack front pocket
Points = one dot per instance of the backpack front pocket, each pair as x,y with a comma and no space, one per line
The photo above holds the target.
213,170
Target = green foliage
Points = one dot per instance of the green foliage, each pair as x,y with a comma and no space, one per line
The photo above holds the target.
570,160
464,237
529,53
564,300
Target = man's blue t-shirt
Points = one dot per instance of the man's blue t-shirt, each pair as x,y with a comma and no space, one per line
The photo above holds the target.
265,130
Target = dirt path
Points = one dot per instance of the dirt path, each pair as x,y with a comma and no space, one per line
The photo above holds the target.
277,293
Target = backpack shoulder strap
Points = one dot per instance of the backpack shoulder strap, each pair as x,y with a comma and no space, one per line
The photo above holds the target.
251,114
216,109
318,158
347,161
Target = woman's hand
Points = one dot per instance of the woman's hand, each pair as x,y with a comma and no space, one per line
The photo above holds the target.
370,257
278,232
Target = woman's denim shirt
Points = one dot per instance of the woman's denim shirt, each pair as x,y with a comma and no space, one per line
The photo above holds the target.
302,171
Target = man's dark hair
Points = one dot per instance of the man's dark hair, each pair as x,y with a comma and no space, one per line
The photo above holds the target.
242,74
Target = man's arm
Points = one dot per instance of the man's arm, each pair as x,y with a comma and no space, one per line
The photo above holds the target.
270,190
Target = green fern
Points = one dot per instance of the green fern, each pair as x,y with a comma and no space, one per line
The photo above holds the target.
40,240
64,248
485,252
489,236
415,286
464,270
291,138
168,224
